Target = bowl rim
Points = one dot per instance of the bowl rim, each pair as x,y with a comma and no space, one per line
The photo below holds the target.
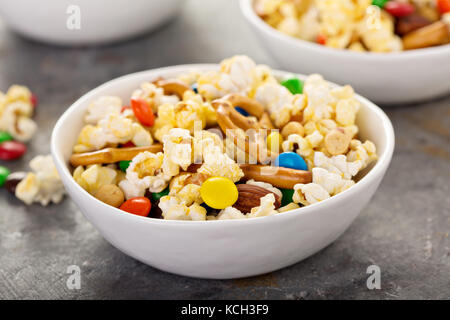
376,171
253,18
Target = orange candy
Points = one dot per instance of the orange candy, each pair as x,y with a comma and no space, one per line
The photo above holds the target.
444,6
143,112
139,206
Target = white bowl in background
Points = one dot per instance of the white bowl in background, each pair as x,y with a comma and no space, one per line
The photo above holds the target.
225,248
386,78
102,21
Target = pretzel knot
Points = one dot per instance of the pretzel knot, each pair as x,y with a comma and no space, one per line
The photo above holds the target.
247,133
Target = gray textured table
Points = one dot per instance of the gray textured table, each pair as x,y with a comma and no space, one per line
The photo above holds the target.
404,230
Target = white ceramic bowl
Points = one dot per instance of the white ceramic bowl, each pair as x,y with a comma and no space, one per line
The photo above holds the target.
102,21
390,78
226,248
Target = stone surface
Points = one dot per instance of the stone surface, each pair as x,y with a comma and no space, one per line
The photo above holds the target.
404,230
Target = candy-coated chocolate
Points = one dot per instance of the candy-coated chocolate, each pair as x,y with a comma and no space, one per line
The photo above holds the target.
4,173
13,180
158,195
399,9
443,5
219,192
139,206
242,111
123,165
274,141
10,150
5,136
295,85
291,160
143,112
379,3
287,196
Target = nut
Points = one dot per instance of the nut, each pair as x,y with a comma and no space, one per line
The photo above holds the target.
249,197
110,194
292,127
337,142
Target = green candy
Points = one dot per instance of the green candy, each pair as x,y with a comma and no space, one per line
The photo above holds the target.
5,136
379,3
287,196
4,173
294,85
159,195
123,165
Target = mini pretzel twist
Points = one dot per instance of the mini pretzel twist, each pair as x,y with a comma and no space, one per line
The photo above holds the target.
279,177
111,155
233,124
172,87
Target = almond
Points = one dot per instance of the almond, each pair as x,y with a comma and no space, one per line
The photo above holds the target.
249,196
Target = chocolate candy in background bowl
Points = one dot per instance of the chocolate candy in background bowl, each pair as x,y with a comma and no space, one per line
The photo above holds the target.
101,21
221,249
386,78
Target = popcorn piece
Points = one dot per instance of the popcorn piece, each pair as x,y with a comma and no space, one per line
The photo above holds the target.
101,107
236,75
112,130
310,193
289,207
305,145
15,113
177,151
266,208
218,164
174,209
43,185
230,213
153,95
96,176
144,172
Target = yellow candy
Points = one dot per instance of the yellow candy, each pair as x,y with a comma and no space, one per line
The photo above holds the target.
274,142
219,192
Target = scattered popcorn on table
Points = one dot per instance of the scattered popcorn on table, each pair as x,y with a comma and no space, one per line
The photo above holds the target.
42,185
194,171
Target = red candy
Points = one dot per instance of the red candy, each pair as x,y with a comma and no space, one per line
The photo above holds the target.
140,206
10,150
129,144
398,9
321,39
443,5
34,100
143,112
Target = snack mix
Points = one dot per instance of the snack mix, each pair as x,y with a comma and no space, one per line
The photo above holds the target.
229,144
361,25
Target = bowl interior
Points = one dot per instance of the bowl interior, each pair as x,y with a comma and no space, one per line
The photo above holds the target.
372,121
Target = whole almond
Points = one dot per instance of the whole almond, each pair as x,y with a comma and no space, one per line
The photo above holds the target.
249,197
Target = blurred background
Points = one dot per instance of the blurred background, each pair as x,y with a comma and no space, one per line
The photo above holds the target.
404,230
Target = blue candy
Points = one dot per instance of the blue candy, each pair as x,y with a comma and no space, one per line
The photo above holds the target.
242,111
194,88
291,160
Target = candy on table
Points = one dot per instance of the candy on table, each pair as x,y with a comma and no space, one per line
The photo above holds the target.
11,150
5,136
13,180
219,192
139,206
4,173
